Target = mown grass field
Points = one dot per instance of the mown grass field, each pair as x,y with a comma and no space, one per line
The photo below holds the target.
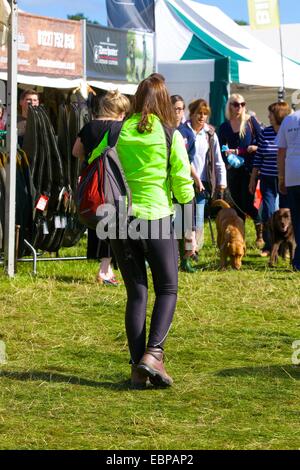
65,383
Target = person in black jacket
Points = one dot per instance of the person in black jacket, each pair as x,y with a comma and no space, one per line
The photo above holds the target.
102,131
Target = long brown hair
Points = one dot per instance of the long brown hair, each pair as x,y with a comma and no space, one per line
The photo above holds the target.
152,97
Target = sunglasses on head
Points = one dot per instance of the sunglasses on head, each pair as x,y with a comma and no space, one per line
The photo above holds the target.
235,104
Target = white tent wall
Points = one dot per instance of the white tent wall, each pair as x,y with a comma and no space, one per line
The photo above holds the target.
270,64
270,37
190,79
259,98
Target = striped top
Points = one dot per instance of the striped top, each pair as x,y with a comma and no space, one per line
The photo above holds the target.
265,159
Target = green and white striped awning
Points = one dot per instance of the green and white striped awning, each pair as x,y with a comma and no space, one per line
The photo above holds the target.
190,31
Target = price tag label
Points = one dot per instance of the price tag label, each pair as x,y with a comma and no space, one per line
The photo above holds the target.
42,203
45,228
57,221
63,221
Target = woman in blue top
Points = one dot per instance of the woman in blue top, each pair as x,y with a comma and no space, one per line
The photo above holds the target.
240,133
265,167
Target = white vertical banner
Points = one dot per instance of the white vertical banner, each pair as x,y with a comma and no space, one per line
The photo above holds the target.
263,14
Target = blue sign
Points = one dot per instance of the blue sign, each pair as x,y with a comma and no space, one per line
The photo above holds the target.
131,14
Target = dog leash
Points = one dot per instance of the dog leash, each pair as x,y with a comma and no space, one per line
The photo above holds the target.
232,201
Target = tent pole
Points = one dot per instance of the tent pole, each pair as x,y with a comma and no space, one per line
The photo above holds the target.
10,192
281,52
83,29
155,52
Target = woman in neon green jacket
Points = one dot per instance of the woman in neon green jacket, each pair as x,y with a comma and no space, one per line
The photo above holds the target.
154,175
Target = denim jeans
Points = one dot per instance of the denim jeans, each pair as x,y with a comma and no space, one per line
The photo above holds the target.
201,202
269,191
294,203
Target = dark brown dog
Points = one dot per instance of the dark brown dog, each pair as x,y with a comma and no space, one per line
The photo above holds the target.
231,235
281,235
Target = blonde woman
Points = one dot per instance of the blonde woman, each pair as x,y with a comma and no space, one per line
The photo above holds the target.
240,132
109,112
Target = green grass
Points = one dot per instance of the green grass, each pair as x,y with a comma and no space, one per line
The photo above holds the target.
66,381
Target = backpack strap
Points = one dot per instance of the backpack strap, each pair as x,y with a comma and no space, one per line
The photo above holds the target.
109,140
169,132
97,151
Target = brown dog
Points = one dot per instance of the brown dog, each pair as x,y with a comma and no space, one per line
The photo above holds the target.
281,235
231,235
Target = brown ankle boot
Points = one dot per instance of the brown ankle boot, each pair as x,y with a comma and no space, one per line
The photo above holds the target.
138,380
259,242
151,365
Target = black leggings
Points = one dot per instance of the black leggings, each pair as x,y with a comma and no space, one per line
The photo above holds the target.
162,256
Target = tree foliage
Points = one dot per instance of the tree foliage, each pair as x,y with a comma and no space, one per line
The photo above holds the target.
242,22
81,16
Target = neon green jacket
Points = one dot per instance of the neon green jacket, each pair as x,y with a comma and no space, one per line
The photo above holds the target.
145,163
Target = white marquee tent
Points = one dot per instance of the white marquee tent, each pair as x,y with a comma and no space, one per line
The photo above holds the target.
270,37
202,52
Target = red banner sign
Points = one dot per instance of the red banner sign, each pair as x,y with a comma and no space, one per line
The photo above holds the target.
47,46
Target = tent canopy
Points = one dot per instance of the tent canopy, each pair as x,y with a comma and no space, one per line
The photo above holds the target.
201,50
188,30
45,81
271,38
66,83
